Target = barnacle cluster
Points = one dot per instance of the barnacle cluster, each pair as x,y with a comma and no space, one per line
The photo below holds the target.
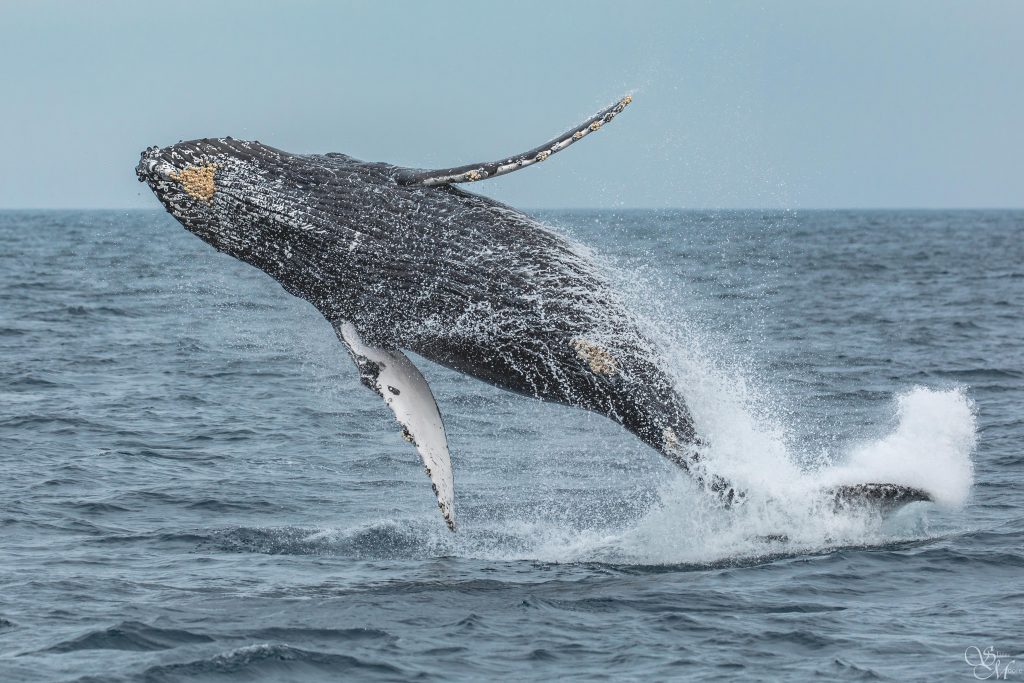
599,360
197,181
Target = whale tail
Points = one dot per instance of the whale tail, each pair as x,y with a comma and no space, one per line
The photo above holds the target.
882,497
680,444
879,497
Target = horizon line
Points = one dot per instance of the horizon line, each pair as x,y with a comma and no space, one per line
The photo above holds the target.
606,208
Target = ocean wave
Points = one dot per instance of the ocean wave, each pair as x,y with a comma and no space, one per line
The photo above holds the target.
387,540
292,634
274,662
218,505
130,635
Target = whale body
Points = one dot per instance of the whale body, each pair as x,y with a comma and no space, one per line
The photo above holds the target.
402,259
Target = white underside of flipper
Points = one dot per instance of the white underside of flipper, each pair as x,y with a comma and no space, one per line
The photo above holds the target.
405,391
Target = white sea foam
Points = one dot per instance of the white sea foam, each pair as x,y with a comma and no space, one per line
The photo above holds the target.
786,508
784,511
930,448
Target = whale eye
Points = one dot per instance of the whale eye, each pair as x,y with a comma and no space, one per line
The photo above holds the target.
197,181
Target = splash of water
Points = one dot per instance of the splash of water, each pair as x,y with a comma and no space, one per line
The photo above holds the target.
784,513
787,508
930,447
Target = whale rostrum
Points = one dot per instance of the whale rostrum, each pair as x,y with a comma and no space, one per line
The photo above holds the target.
401,259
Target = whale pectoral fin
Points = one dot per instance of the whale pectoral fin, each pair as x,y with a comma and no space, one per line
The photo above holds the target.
472,172
882,497
405,391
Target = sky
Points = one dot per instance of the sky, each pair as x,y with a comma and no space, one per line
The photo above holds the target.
916,104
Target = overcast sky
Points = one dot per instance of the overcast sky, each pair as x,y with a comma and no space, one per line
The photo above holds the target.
736,104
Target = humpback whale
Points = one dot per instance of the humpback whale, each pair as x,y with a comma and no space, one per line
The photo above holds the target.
400,259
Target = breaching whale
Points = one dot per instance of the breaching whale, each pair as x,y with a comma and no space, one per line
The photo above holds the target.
401,259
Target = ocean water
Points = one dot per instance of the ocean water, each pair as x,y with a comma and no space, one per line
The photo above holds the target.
195,486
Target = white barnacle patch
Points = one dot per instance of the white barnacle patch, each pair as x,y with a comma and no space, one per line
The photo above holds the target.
670,438
541,156
596,124
197,181
598,358
577,135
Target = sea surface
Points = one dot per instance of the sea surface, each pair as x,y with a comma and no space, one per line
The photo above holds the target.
194,486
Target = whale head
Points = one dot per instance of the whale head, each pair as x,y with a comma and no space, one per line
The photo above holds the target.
225,191
187,178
